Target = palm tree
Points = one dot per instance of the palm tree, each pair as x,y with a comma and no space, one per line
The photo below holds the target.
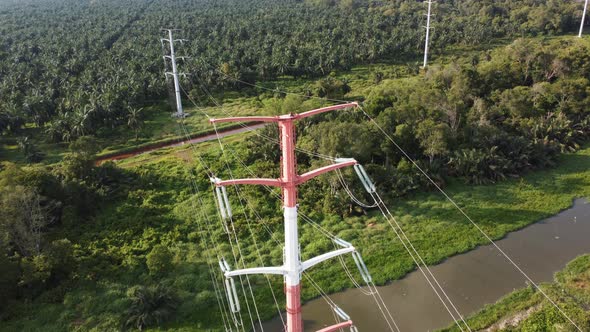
134,121
150,306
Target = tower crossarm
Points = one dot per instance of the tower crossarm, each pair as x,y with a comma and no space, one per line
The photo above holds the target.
337,327
312,174
287,117
246,119
278,183
254,181
318,259
324,109
256,270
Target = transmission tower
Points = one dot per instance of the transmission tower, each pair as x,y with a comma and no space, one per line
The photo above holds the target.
583,19
172,57
292,267
427,33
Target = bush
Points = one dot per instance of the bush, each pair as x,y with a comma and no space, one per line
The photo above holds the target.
159,260
331,87
150,306
61,255
8,280
29,150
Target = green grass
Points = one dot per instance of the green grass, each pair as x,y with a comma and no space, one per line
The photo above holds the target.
52,152
160,207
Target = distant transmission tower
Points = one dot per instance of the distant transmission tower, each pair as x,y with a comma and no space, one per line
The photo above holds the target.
428,33
583,19
292,267
172,57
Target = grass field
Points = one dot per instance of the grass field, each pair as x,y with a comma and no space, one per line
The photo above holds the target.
160,207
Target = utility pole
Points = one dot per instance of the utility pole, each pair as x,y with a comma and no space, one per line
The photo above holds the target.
172,57
583,19
428,33
292,267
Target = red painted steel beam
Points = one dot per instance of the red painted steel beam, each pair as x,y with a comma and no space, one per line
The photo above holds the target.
246,119
284,117
312,174
336,327
325,109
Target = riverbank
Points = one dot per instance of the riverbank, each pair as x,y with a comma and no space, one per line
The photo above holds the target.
527,310
540,249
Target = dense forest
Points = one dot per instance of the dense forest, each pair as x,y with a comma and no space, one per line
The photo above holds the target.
85,66
483,118
108,247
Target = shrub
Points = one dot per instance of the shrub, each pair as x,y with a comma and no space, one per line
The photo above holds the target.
159,260
150,306
29,150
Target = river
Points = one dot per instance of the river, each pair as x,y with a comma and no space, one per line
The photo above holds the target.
471,280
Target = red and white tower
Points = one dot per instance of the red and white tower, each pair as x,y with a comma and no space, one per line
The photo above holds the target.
292,267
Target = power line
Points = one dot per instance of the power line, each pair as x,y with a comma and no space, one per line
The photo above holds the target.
240,323
292,262
317,226
239,250
329,235
205,216
314,284
325,232
399,232
432,181
470,219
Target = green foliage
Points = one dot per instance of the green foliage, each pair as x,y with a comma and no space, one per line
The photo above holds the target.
432,138
23,219
110,250
36,270
479,167
150,306
61,257
113,70
30,151
159,260
331,88
462,119
8,279
134,120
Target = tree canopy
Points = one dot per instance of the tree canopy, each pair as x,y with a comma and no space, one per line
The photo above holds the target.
84,64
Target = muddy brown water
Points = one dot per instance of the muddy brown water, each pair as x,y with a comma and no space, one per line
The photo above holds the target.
471,280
